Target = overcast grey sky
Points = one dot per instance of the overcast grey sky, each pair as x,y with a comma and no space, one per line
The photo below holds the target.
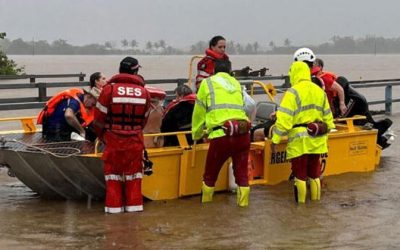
183,22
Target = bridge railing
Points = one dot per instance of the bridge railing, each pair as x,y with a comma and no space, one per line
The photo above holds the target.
38,101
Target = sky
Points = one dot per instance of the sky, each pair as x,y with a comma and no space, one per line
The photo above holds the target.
182,23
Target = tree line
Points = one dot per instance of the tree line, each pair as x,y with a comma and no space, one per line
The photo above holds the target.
336,45
8,66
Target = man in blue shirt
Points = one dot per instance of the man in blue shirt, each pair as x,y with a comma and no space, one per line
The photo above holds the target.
71,114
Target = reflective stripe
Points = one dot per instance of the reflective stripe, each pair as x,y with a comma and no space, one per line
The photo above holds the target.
214,106
298,135
200,103
298,100
279,132
102,108
301,109
129,100
134,208
113,210
211,90
133,176
225,106
327,112
312,106
286,111
113,177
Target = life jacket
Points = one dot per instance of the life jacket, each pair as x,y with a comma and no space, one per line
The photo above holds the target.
128,104
205,68
216,56
51,105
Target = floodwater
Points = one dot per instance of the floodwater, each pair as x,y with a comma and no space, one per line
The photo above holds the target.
357,211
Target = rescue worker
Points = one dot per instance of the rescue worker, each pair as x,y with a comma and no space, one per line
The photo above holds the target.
120,115
215,51
97,80
333,89
66,112
220,109
303,104
178,115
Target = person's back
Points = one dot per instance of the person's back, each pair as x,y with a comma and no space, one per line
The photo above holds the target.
304,116
120,115
220,108
56,126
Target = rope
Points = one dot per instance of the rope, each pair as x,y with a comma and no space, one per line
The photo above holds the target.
75,151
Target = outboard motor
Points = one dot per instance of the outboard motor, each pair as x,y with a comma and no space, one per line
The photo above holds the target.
357,105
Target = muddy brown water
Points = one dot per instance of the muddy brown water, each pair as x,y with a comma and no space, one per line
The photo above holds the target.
357,211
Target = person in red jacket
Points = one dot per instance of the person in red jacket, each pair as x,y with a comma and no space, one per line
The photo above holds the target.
333,89
120,115
216,51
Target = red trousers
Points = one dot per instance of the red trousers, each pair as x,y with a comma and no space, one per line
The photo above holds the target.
123,173
306,165
220,150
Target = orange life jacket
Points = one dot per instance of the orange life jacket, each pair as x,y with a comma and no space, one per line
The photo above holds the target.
51,105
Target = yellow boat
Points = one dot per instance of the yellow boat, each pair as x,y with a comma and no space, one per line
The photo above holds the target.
73,170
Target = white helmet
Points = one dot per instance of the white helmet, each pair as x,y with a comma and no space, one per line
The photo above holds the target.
304,54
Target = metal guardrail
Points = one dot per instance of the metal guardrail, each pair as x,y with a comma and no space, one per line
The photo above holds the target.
387,83
39,100
32,78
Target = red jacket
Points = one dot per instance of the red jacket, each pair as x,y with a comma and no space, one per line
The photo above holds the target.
122,107
328,78
205,68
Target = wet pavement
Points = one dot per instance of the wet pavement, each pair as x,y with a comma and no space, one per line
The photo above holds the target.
357,211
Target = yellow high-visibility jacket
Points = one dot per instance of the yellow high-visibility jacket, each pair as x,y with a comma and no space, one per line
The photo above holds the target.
219,99
303,103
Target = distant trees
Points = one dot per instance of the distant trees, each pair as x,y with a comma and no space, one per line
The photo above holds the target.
124,43
133,44
336,45
7,66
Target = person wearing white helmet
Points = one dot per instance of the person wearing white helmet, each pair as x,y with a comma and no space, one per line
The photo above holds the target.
326,82
304,116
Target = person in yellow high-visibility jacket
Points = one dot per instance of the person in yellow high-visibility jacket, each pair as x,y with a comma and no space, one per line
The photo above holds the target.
304,103
220,109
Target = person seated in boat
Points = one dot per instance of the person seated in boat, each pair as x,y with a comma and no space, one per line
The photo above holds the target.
215,51
333,89
97,80
66,112
263,130
154,120
227,126
119,118
299,124
357,104
178,115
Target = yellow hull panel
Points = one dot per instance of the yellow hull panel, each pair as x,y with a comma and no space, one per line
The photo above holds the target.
178,172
